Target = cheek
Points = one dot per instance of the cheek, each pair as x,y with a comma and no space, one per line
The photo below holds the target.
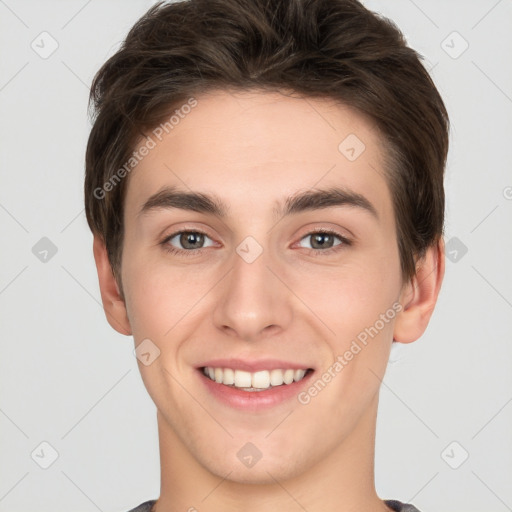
358,304
159,296
350,298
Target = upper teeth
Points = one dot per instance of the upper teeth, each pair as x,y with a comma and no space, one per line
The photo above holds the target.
259,380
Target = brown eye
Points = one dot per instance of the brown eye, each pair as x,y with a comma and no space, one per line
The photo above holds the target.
188,241
191,240
323,240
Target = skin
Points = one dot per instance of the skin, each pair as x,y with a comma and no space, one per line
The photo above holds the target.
253,150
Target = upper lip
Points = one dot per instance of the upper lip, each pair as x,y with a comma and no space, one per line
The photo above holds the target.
254,365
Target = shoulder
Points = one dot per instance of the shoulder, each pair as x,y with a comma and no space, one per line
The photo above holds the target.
144,507
398,506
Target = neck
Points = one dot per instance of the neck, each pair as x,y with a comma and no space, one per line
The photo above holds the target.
342,481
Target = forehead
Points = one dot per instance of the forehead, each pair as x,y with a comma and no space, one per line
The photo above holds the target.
254,147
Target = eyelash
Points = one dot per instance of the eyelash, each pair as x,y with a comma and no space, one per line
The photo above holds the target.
313,252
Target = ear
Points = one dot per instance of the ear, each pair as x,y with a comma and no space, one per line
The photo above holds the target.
419,295
113,303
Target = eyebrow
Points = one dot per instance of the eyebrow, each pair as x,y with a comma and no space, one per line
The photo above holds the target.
172,197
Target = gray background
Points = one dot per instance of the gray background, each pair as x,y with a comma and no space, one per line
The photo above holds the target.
69,380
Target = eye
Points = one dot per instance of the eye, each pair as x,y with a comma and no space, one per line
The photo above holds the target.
190,242
187,241
323,241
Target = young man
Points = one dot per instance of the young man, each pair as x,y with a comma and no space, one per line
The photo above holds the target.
264,182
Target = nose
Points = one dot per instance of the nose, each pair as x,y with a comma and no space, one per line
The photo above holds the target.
252,302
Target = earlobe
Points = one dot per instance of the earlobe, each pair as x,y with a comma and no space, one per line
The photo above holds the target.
113,303
419,296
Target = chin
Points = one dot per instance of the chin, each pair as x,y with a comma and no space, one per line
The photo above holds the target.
265,471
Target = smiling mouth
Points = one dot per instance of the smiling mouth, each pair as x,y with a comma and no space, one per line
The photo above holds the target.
255,381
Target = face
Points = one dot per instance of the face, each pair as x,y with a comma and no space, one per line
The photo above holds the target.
287,261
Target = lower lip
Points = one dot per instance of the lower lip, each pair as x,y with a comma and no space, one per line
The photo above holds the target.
254,400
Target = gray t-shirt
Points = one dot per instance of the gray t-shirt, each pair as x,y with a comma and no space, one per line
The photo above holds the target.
397,506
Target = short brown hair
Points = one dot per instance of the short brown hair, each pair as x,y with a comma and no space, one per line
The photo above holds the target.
334,49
